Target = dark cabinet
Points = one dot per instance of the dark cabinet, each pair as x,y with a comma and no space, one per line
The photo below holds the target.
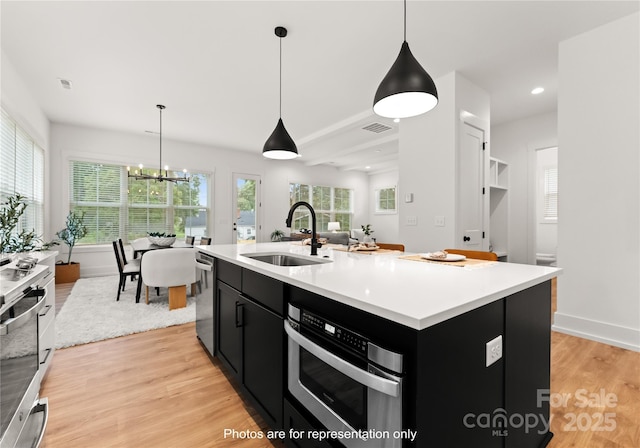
229,328
251,338
263,359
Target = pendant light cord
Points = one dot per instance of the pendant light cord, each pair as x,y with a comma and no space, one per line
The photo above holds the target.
280,111
160,167
405,20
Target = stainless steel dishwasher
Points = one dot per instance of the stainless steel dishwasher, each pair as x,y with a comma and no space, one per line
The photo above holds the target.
205,301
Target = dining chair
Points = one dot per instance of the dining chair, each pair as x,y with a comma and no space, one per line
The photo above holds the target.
475,254
173,269
124,270
391,246
134,261
190,240
205,241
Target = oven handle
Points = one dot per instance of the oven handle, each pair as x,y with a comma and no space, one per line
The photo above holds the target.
16,322
383,385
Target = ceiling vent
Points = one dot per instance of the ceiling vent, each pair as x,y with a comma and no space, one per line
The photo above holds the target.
65,83
376,127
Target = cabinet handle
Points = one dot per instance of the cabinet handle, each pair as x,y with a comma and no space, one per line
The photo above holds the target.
46,356
47,309
239,314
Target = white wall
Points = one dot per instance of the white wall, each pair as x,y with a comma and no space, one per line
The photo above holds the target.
75,142
516,143
599,162
385,225
428,163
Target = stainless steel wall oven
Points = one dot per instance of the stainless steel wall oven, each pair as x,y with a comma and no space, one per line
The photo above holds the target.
343,379
22,415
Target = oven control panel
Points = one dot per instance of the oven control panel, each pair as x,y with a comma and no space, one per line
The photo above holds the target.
345,337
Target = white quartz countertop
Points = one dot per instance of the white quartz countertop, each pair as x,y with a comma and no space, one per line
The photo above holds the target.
412,293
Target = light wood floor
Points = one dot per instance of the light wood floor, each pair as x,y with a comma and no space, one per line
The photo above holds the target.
158,389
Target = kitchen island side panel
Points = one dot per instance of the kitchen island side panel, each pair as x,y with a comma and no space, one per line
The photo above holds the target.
455,387
527,349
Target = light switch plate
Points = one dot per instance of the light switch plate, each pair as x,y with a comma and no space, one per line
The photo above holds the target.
494,350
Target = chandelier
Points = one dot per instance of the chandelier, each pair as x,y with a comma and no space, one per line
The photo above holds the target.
159,176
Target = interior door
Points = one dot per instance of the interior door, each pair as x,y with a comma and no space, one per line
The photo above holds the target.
471,188
246,208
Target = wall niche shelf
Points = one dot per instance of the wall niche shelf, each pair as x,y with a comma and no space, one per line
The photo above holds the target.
499,206
498,174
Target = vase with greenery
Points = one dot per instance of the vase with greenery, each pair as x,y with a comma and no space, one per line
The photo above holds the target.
368,239
12,241
277,235
73,231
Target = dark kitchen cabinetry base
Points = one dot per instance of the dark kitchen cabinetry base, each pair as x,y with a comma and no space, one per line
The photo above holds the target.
251,337
450,393
297,425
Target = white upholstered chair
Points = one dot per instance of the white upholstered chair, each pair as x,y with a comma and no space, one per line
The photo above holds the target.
170,268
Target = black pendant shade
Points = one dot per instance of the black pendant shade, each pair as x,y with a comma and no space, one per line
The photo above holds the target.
280,145
407,90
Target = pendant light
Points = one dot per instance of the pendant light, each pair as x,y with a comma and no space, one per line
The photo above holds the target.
407,90
158,175
280,145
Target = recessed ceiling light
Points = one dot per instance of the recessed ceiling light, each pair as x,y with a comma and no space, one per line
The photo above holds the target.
537,90
367,167
396,120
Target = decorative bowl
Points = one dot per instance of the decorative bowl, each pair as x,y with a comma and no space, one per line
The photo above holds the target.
163,241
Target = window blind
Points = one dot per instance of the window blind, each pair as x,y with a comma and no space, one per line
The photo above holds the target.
22,171
117,206
550,193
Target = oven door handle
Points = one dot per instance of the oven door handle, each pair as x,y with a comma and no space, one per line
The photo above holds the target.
383,385
16,322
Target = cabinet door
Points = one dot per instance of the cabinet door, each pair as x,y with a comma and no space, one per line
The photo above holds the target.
263,366
229,328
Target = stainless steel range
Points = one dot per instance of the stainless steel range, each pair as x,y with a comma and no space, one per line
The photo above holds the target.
22,294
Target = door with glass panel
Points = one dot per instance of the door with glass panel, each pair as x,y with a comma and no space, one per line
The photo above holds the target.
246,208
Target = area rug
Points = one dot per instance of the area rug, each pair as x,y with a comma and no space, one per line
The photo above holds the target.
91,312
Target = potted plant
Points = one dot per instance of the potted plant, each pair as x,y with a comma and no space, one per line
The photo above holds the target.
277,235
12,242
70,235
368,239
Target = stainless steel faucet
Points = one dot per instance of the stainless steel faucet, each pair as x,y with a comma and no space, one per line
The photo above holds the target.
315,245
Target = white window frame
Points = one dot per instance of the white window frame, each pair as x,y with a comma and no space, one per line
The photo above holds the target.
386,211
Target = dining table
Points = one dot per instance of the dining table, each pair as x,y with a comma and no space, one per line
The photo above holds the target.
142,245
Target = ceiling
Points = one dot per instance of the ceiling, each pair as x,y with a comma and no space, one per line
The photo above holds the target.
214,64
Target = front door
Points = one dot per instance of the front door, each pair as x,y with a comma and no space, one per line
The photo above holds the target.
246,208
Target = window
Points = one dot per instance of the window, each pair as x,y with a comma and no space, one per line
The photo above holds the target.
329,203
550,206
117,206
386,200
22,171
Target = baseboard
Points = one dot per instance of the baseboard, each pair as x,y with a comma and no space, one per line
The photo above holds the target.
616,335
97,271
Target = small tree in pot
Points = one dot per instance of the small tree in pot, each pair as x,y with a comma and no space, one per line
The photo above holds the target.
70,235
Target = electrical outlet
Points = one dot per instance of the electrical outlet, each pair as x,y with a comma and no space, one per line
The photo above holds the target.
494,350
412,220
439,221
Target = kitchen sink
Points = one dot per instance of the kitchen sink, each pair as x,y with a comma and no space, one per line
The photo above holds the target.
285,259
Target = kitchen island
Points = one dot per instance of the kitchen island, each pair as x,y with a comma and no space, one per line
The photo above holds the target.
474,340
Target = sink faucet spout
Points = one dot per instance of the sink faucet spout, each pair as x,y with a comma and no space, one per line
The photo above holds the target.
315,245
